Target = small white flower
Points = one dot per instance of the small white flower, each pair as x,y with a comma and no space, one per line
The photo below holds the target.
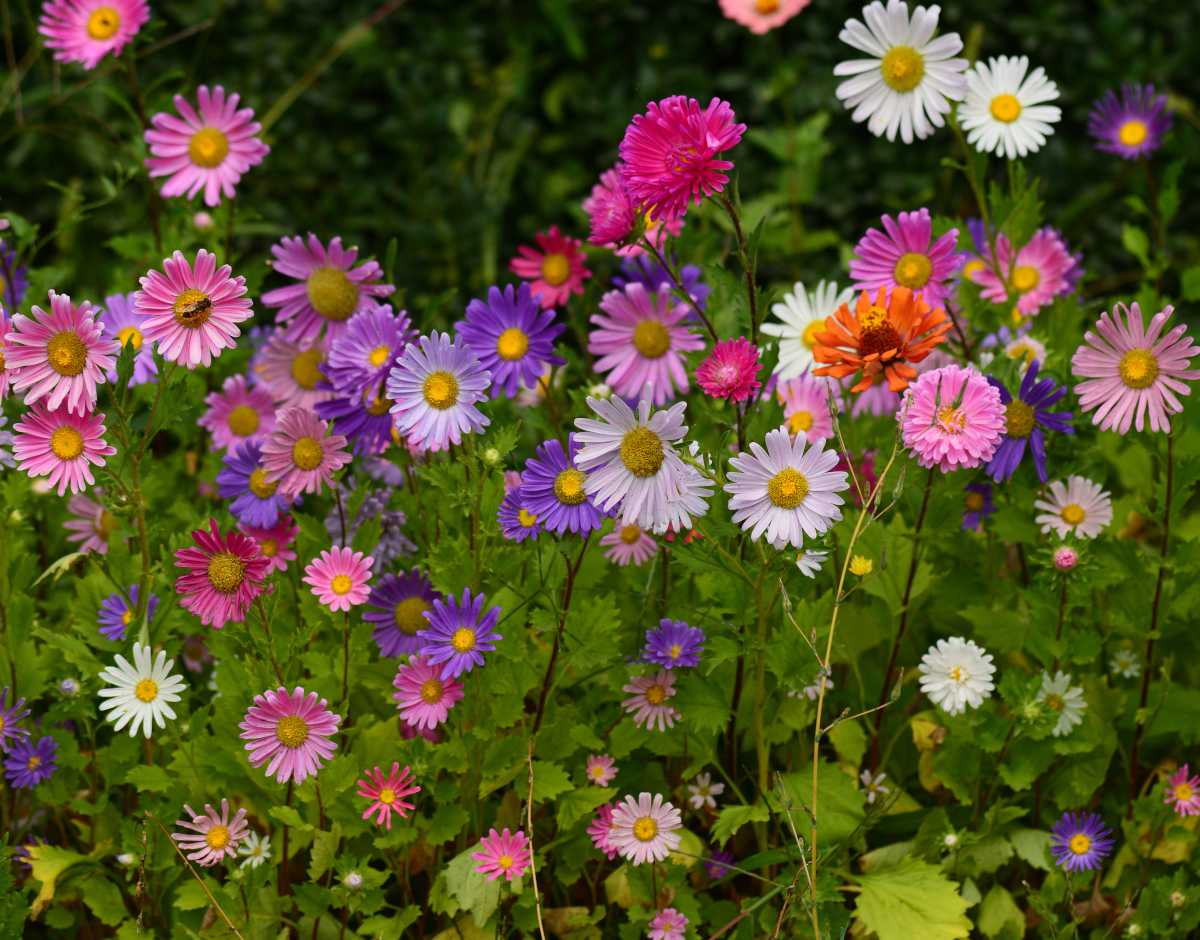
810,562
128,859
1026,348
801,316
950,840
956,674
690,501
491,456
1006,110
1066,700
873,784
1133,930
1079,507
353,880
140,694
702,791
254,849
68,687
1125,664
599,390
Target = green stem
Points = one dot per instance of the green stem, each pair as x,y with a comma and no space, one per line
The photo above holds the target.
744,257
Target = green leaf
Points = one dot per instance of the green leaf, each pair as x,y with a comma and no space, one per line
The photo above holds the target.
48,864
473,891
447,821
104,899
580,802
549,780
1137,243
190,896
1189,282
732,818
914,899
999,917
324,850
839,801
149,777
1032,847
289,817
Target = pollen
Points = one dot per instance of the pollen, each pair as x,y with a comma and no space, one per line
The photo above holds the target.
788,488
291,731
341,584
306,368
527,519
1025,278
103,23
1133,133
387,796
130,334
307,453
809,336
146,690
512,344
1080,843
902,68
913,270
555,269
243,420
378,356
651,339
332,294
463,640
192,308
66,443
1073,514
440,390
1138,368
656,695
800,422
431,691
568,487
66,353
409,617
951,420
1019,419
226,572
645,829
630,534
1005,108
642,452
217,837
208,147
260,486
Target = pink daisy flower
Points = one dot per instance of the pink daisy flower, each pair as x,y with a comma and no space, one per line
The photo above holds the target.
225,574
1182,793
59,357
90,524
905,254
292,732
1035,275
952,417
1130,372
85,31
237,414
275,543
291,371
601,769
806,407
208,838
61,446
206,149
299,456
645,829
340,577
330,290
600,828
192,313
629,545
731,370
423,697
387,794
554,269
648,700
761,16
670,153
669,924
5,332
639,338
504,854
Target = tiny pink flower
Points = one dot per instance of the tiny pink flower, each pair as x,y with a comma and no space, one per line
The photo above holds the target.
600,828
648,700
669,924
224,574
299,456
629,545
1182,793
905,254
340,578
601,770
761,16
208,838
387,794
238,414
423,697
731,370
275,543
1036,274
1065,558
645,828
503,853
85,31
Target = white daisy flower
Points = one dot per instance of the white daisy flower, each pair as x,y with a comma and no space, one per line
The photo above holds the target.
1125,664
1079,507
801,316
955,674
1005,111
702,791
690,501
139,694
254,850
873,784
1026,348
1066,700
810,562
789,490
911,78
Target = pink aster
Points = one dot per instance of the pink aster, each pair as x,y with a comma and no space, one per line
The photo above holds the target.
629,544
292,732
648,700
423,697
639,338
611,210
554,269
275,543
224,574
952,417
1034,276
1182,793
210,837
599,829
806,407
299,456
291,371
59,357
645,829
387,794
62,446
237,414
340,577
5,333
601,769
208,148
502,853
762,16
1130,372
905,254
668,924
85,31
731,370
670,153
191,314
90,524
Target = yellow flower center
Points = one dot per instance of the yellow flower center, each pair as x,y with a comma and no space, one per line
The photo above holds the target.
952,420
260,486
34,762
66,353
107,525
902,68
974,501
217,837
379,355
1183,792
787,488
913,270
269,548
208,147
1139,368
226,572
861,566
440,390
146,690
568,487
408,615
873,319
630,534
1018,419
527,519
387,796
645,829
958,674
1022,351
341,584
763,7
650,338
1133,132
463,640
1025,278
642,452
291,731
306,368
1006,108
379,404
555,269
307,453
656,695
103,23
242,421
972,267
130,334
512,344
800,422
192,308
809,336
1054,702
66,442
431,691
1073,514
332,294
127,616
1080,843
505,861
676,651
599,772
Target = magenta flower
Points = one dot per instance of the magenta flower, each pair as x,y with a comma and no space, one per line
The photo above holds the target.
62,446
238,414
299,456
224,574
5,333
611,210
423,697
600,828
761,16
905,254
731,370
208,838
1182,793
85,31
645,829
340,578
387,794
459,633
1040,271
629,545
555,269
668,924
291,732
648,700
952,417
504,854
275,543
601,769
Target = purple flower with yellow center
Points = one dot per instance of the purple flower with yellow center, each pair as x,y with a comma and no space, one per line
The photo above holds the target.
13,278
458,635
673,645
517,523
1080,841
10,718
116,613
363,419
512,336
553,490
645,270
257,501
977,505
121,320
1131,125
27,764
361,356
397,606
1024,418
717,864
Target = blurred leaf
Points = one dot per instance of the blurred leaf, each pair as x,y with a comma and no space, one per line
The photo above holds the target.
914,899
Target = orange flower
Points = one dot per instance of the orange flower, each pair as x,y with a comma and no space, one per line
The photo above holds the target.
880,338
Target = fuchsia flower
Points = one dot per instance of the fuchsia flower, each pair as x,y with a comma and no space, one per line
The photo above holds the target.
85,31
238,414
629,544
668,924
5,333
952,417
299,456
225,573
387,794
554,269
422,695
731,370
61,446
503,854
290,731
761,16
905,254
648,700
209,838
1182,793
611,209
275,543
600,828
601,770
1034,275
339,577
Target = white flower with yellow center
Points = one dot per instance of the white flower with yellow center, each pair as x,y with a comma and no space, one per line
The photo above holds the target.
254,850
1006,110
956,674
1078,507
801,315
139,695
1064,699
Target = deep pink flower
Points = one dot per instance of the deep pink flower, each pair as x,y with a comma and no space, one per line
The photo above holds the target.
731,370
224,575
611,210
762,16
238,414
952,417
292,732
600,828
554,269
1036,274
905,254
1182,793
85,31
387,794
340,577
275,543
502,854
422,695
62,446
5,333
299,456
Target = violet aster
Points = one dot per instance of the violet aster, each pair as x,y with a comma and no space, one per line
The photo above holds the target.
27,764
673,644
1131,125
1080,841
516,522
10,718
646,270
977,505
1024,418
553,490
396,606
435,386
364,421
116,613
512,336
458,635
123,323
256,500
14,279
361,356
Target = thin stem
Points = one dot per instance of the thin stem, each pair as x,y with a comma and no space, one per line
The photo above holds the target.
283,885
266,625
537,897
744,257
345,660
547,679
1062,611
192,871
679,288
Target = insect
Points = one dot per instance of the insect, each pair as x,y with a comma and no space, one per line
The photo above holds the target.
195,310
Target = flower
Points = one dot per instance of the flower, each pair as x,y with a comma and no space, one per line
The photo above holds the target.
503,853
673,644
517,523
648,700
1064,699
1065,558
1127,369
85,31
801,316
555,269
62,446
761,16
909,80
511,337
397,605
647,271
955,674
669,924
553,490
787,490
639,337
1080,841
121,321
291,731
905,254
435,386
208,148
600,828
670,153
702,791
254,850
611,211
1024,418
362,354
644,829
238,414
191,313
861,565
13,282
243,480
717,865
292,372
423,696
10,729
27,764
951,418
59,357
1132,125
90,524
299,456
1125,664
1079,507
208,838
1005,111
1182,793
806,409
1033,275
810,562
977,505
224,574
387,794
873,784
116,613
339,578
731,370
68,687
629,544
275,542
881,338
601,769
140,694
457,636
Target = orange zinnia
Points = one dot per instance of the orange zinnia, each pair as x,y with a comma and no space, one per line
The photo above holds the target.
881,338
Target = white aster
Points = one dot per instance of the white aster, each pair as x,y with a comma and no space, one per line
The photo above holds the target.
1078,507
1066,700
810,562
801,316
702,790
873,784
1125,664
1006,110
139,694
254,849
688,501
956,674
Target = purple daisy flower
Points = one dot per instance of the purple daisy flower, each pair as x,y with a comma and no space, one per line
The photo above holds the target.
435,387
122,322
1080,841
13,278
10,729
27,764
977,505
905,254
1024,418
396,606
673,644
717,864
553,489
457,636
116,614
364,421
512,336
361,356
1132,125
517,523
256,502
645,270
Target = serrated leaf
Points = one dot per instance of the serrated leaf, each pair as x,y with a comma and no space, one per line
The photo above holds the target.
914,899
289,817
472,890
1032,847
549,780
999,918
149,778
732,818
324,850
447,821
48,864
581,802
103,899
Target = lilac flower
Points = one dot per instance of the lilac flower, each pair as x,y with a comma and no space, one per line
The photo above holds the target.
116,613
256,501
457,635
673,644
